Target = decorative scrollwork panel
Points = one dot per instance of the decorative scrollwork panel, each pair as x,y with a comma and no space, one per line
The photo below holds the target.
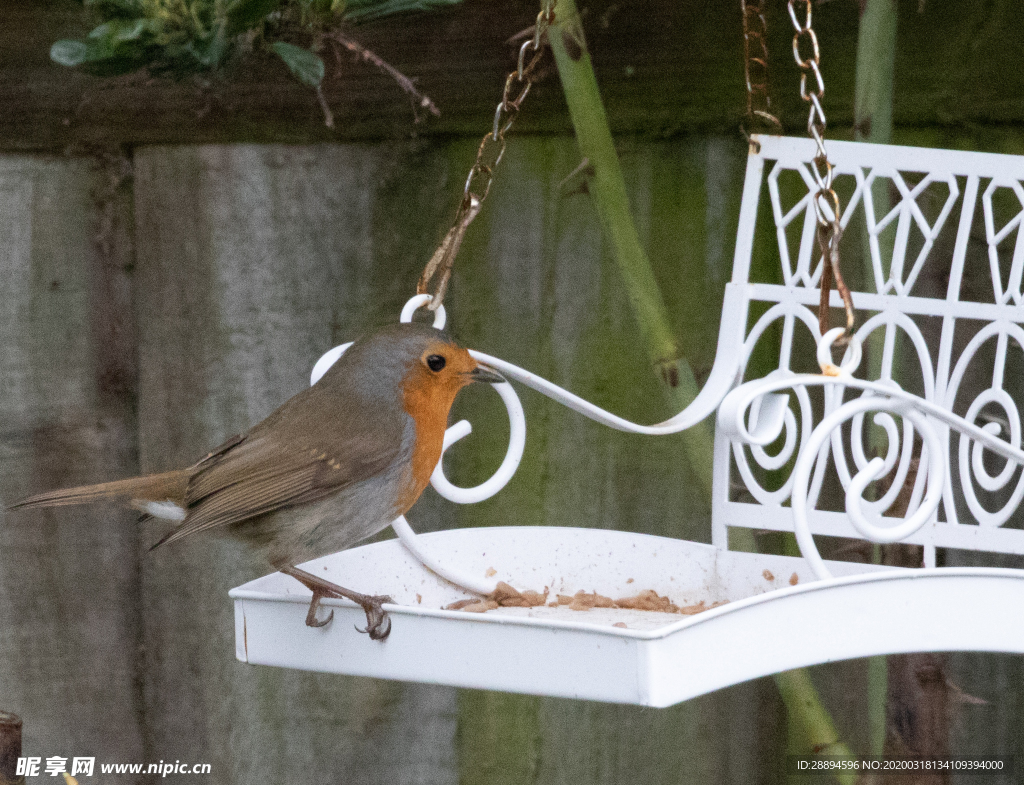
991,493
945,347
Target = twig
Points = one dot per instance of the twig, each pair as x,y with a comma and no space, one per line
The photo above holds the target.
420,101
584,167
328,114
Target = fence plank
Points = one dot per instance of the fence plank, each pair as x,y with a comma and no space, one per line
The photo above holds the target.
68,579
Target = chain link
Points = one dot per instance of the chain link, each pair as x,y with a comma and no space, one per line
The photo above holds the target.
827,207
478,183
755,67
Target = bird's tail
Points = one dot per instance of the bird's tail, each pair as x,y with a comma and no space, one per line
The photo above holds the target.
152,487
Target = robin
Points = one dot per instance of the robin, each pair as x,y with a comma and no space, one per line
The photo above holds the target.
333,465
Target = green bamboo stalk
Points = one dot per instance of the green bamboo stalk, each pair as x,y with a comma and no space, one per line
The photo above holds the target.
608,189
811,727
876,65
876,58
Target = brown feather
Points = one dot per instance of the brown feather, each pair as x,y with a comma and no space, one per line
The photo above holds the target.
254,498
261,473
153,487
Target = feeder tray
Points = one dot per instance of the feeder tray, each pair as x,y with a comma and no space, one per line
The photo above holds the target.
657,659
776,612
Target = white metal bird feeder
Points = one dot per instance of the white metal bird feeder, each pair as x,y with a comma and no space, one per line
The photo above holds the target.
761,614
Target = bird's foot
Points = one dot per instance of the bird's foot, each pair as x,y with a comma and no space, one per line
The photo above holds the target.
376,618
378,624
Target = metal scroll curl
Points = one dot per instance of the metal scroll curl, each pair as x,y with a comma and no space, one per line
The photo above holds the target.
932,462
885,326
971,466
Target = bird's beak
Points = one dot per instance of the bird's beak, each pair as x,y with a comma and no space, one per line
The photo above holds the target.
484,374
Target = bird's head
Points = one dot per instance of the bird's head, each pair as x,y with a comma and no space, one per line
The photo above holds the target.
411,369
440,369
425,366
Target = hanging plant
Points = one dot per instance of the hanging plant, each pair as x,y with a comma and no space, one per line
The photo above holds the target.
184,37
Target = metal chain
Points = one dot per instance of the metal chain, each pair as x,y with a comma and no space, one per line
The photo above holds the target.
827,208
488,156
755,69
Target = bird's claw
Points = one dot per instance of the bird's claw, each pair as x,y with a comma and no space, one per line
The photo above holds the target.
376,618
378,624
314,606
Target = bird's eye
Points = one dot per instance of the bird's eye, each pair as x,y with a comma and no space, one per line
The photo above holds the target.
435,362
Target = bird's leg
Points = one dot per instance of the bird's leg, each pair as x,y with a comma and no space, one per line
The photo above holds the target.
371,605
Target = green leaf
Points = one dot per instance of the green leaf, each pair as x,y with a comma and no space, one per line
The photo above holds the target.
370,10
119,31
245,15
99,58
69,53
95,47
114,47
307,66
130,9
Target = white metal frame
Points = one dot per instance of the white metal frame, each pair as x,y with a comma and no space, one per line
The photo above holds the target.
895,304
800,611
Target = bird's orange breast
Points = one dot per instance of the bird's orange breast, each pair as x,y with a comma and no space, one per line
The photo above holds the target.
428,403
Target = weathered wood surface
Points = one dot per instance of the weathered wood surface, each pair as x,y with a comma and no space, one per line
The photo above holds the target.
70,630
249,261
665,66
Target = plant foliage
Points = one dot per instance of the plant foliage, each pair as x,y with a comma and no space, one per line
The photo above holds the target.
181,37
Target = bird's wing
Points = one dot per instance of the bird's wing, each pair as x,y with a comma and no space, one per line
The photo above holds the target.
260,472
